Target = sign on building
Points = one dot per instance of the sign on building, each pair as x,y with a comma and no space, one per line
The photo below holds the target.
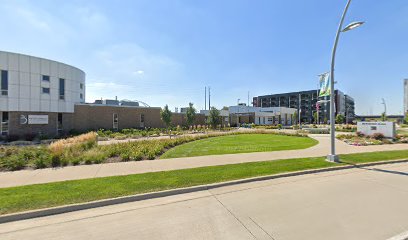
37,119
369,128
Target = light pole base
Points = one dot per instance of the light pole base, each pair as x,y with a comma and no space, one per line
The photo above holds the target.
333,158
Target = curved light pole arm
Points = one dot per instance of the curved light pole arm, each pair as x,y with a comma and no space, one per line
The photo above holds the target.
332,157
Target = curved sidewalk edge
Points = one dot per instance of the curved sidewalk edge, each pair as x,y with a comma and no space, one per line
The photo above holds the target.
402,236
133,198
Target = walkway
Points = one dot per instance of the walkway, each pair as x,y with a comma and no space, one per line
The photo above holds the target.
366,203
27,177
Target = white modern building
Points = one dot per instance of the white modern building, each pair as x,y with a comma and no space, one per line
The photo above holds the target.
37,94
405,96
256,115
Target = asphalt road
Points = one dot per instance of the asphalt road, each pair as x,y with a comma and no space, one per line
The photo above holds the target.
368,203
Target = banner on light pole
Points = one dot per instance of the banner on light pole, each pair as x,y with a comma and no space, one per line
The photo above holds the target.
324,84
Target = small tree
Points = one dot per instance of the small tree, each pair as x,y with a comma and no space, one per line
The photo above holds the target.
383,117
295,118
406,118
315,117
165,115
225,108
339,119
191,114
214,118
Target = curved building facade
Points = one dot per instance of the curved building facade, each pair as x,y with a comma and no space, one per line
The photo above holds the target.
37,95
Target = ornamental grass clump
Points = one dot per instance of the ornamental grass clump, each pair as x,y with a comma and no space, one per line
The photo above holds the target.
67,150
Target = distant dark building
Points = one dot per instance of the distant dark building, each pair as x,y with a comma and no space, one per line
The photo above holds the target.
344,104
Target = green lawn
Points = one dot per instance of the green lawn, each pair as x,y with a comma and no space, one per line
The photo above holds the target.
243,143
16,199
403,131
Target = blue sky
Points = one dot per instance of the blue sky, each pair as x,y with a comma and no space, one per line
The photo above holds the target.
165,52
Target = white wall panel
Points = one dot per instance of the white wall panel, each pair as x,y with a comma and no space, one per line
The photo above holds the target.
62,71
35,93
54,69
45,67
13,104
35,105
13,78
25,78
24,105
54,106
25,91
45,106
13,62
3,60
4,103
14,91
24,63
35,80
34,65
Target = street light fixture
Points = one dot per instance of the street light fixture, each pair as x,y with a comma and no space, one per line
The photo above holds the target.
352,26
333,157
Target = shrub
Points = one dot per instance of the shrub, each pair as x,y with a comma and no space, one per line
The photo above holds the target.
378,136
95,155
136,155
55,160
125,156
75,161
360,134
12,163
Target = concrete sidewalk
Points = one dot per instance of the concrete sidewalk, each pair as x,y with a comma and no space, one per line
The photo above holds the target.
28,177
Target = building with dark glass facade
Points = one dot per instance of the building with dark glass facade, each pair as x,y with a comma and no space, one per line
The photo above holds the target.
305,103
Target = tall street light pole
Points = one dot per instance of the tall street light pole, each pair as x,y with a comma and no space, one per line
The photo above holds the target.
385,106
333,157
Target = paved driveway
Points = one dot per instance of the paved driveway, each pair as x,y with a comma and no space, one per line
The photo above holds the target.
27,177
368,203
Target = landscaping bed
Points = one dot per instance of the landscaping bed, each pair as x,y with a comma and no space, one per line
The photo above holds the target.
359,139
83,149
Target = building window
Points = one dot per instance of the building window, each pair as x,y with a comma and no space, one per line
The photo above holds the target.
46,78
61,88
4,83
46,90
81,96
59,123
4,123
115,121
81,86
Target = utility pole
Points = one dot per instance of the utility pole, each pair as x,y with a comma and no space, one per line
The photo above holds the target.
205,98
238,113
300,111
209,98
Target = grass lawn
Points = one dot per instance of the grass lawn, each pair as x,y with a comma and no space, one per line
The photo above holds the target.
243,143
16,199
403,131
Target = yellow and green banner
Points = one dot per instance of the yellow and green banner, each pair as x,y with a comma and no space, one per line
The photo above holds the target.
324,83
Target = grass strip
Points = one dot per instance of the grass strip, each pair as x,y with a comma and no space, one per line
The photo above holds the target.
23,198
243,143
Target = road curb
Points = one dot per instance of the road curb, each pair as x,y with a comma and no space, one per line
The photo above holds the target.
106,202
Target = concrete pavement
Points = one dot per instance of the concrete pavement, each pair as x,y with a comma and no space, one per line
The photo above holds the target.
27,177
366,203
